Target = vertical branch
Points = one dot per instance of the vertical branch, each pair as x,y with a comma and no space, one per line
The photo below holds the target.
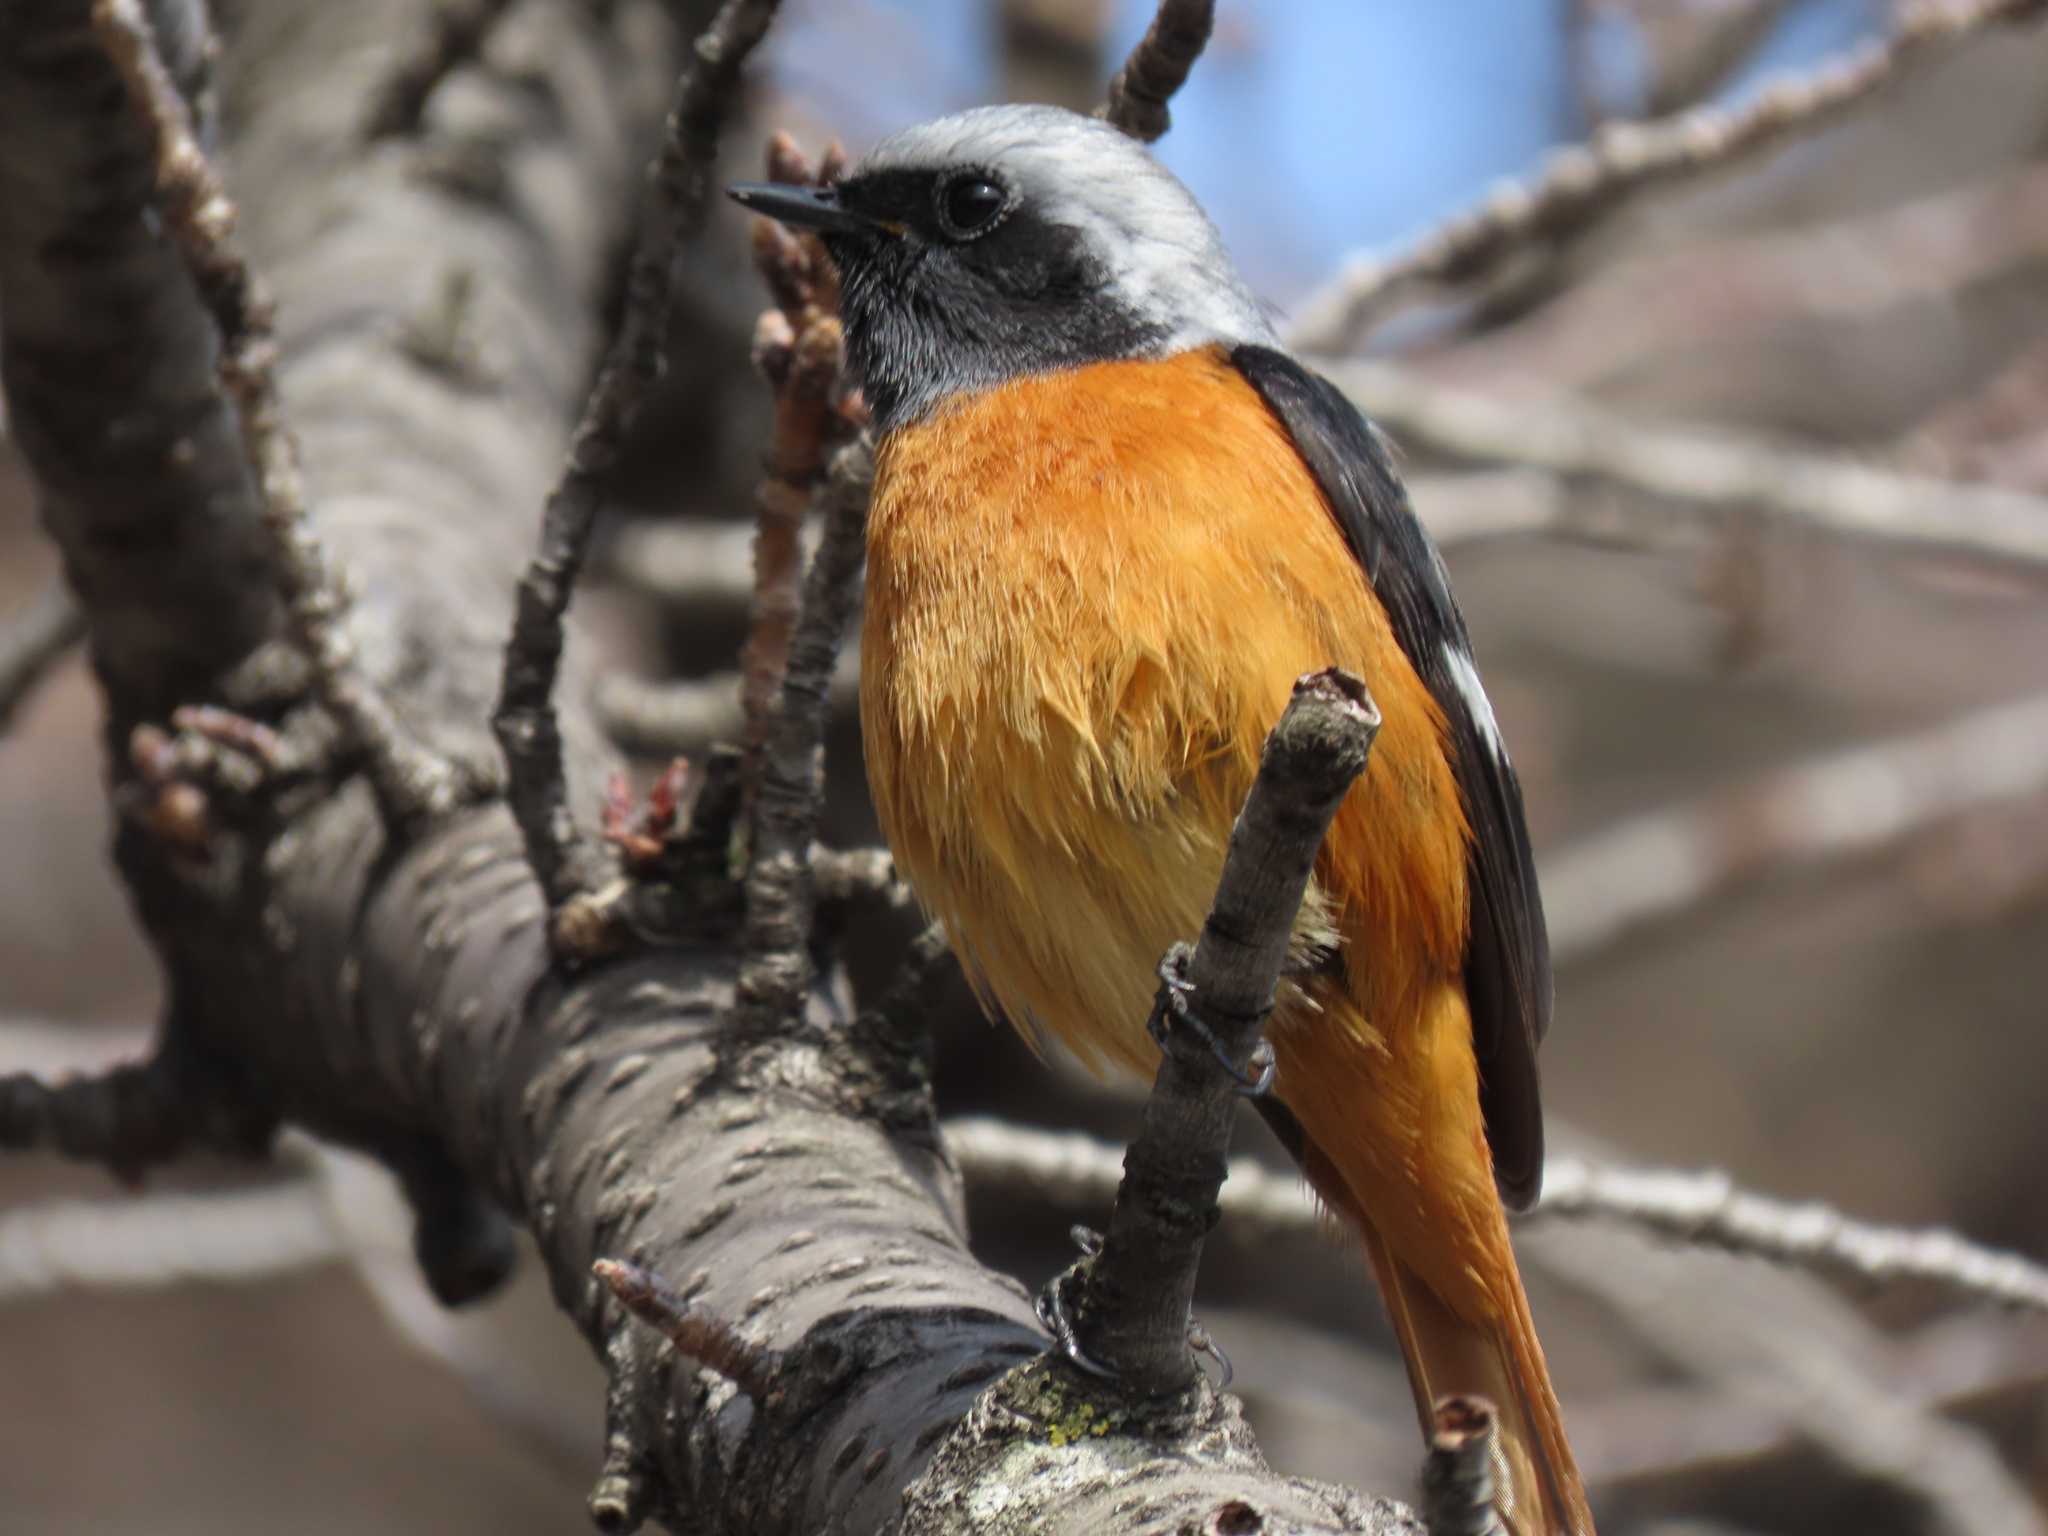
776,972
800,349
1135,1313
1158,67
1457,1474
567,863
410,782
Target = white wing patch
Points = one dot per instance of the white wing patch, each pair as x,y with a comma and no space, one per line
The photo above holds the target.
1465,676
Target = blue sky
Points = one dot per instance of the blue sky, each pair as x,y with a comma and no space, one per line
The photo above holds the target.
1337,124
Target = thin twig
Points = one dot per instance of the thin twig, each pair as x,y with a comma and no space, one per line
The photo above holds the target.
1581,186
1158,67
454,37
565,860
775,975
32,642
1073,1172
800,349
1707,1209
1134,1312
696,1334
411,783
1652,867
1700,467
1457,1475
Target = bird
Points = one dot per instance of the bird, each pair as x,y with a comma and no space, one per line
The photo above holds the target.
1113,520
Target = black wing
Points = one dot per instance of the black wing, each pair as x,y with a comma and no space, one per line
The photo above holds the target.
1507,960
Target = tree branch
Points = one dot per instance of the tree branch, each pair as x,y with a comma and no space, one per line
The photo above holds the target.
800,349
565,861
1653,867
1137,1292
1580,187
411,784
775,971
1074,1172
1457,1475
1786,1349
1158,67
1707,1209
1700,468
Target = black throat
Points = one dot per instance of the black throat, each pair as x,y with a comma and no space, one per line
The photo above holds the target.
927,320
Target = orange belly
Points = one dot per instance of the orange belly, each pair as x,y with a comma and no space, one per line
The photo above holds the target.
1089,595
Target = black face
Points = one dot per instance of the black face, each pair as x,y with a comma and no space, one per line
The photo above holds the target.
953,283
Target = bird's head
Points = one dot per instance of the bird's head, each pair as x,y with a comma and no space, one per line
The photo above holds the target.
1008,241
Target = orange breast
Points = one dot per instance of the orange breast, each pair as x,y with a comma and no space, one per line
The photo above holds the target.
1089,594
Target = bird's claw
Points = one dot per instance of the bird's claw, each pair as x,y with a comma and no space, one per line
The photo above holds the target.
1202,1343
1171,1010
1051,1307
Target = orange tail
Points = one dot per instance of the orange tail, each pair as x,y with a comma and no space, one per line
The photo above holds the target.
1537,1481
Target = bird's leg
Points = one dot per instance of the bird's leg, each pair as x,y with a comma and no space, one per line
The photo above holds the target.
1171,1010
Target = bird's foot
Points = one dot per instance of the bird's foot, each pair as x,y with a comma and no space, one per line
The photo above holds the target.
1171,1010
1055,1311
1202,1343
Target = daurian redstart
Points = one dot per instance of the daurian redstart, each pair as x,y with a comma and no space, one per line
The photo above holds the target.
1113,521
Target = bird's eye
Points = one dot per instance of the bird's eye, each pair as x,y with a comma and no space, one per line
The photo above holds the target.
969,205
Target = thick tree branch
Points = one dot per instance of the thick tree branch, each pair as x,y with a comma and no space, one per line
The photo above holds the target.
1580,187
566,862
1133,1316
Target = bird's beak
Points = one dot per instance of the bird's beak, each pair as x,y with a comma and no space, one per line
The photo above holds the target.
802,207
